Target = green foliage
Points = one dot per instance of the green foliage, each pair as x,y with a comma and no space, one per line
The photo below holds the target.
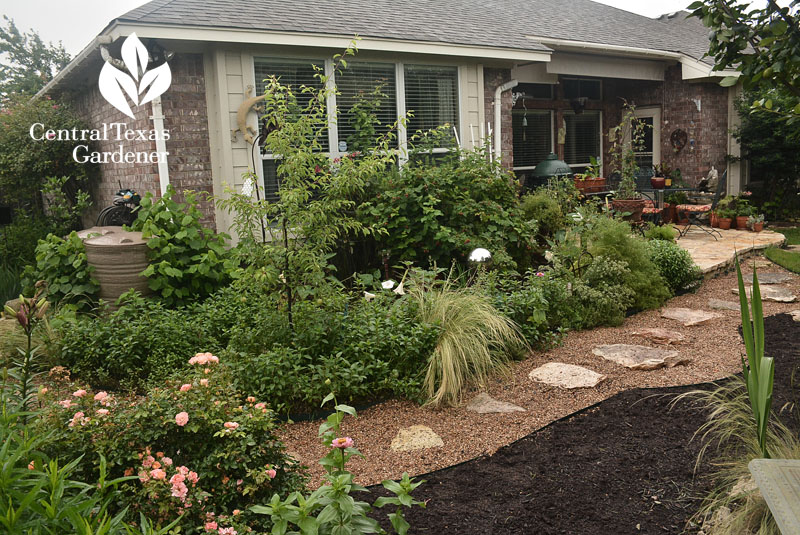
661,232
29,63
759,371
475,339
194,423
188,262
792,235
10,285
331,508
62,264
786,259
542,207
438,210
626,138
613,239
674,263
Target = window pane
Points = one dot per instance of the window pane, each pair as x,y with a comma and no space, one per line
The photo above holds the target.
533,136
432,96
576,88
583,137
295,74
367,103
271,180
535,91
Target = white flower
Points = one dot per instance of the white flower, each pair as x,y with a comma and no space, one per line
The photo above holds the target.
399,290
282,278
548,255
387,285
368,296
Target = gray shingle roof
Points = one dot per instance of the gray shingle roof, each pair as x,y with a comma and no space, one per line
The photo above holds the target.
493,23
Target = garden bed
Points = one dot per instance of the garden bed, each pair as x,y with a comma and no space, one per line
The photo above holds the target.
624,465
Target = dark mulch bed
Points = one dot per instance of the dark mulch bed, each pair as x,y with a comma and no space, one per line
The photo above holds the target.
625,465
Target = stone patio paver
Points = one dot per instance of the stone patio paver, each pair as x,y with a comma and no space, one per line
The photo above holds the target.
714,255
779,294
483,403
659,335
689,316
416,437
640,357
719,304
567,376
773,278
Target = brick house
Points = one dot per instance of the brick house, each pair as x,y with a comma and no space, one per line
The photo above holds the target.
573,62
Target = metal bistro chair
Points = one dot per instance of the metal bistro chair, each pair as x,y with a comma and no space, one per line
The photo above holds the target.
694,211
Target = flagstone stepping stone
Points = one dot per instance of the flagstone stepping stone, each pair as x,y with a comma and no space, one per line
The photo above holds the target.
759,263
778,294
640,357
657,335
483,403
719,304
773,278
689,316
795,315
416,437
566,375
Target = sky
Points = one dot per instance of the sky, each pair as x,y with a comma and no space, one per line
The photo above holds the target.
76,22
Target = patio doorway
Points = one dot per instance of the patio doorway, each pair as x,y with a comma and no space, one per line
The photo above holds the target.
650,153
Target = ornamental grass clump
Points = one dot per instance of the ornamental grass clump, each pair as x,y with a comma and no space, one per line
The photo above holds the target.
475,340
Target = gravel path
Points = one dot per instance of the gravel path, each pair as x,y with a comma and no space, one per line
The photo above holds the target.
715,349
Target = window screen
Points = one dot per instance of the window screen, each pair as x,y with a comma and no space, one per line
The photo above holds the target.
535,91
292,73
533,137
576,88
583,137
432,95
367,103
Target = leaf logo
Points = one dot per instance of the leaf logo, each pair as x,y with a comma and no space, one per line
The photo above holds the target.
115,84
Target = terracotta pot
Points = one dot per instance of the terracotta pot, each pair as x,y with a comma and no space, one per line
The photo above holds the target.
741,222
714,220
670,213
725,223
758,227
658,182
633,206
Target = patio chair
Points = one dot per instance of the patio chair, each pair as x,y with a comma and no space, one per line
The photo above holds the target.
693,212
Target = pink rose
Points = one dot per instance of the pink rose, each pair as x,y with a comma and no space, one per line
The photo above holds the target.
203,382
251,399
101,396
78,418
158,474
231,425
236,512
343,442
186,387
79,393
260,406
143,477
167,461
227,531
182,418
31,466
148,461
193,477
66,403
102,412
177,478
272,473
211,526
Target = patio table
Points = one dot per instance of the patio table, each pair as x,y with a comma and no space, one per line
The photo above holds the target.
660,194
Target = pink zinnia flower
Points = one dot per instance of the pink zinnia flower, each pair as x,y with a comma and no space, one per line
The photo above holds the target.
186,387
539,274
102,412
182,418
343,442
79,393
231,425
272,473
158,473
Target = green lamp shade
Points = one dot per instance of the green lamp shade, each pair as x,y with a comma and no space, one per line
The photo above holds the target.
550,167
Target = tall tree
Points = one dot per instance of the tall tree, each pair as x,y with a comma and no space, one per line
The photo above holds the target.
26,62
763,44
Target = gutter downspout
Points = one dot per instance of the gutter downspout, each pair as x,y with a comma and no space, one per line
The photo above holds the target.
498,134
161,145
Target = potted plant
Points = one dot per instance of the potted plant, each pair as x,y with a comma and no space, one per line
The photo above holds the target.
590,180
625,138
671,202
743,213
662,173
756,222
725,216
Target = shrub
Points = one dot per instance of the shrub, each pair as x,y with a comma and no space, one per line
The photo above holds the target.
436,211
18,240
601,296
543,208
525,302
62,264
674,263
475,339
194,424
660,232
612,239
188,262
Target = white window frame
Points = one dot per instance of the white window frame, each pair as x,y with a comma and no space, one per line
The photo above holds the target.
586,79
655,113
599,113
552,137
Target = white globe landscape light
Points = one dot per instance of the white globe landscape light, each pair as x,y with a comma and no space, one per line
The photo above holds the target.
480,255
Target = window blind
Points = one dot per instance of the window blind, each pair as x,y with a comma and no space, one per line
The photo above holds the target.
583,137
294,74
432,95
367,103
533,137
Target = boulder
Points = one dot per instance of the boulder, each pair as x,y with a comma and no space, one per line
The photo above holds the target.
719,304
689,316
483,403
795,315
416,437
657,335
779,294
640,357
566,375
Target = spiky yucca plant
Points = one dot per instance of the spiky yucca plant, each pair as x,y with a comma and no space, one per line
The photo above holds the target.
475,341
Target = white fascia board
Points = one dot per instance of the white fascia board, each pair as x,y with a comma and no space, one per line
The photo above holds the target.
82,56
691,69
606,66
234,35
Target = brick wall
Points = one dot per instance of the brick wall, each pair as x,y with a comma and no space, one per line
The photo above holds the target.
492,79
186,118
